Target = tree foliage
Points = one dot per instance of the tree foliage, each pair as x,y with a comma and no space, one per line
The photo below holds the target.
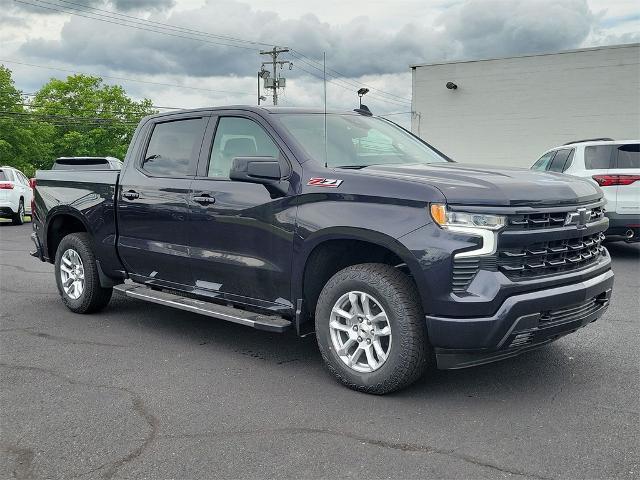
78,116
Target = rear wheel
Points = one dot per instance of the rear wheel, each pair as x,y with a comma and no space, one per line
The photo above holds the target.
18,218
371,330
77,275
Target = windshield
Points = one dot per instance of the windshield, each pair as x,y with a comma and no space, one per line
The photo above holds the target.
357,141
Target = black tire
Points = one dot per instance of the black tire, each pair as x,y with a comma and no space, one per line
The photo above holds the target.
18,218
410,353
94,297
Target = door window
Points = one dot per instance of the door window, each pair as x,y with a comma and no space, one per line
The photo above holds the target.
174,147
558,162
238,137
543,162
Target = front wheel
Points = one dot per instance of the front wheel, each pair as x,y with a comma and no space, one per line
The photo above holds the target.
77,275
371,330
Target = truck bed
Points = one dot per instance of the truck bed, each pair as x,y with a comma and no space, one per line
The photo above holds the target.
87,195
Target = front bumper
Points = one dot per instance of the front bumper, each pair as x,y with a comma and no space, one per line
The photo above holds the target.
523,322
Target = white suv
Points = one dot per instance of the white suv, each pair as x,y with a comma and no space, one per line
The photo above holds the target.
15,195
615,166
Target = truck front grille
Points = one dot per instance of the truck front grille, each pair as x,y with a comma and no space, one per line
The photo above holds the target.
534,221
545,248
550,257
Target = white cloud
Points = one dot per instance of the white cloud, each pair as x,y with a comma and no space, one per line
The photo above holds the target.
371,42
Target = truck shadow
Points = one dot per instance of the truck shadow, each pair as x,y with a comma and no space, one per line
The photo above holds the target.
287,355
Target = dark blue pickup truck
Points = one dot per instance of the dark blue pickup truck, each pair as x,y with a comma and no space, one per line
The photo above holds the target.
342,224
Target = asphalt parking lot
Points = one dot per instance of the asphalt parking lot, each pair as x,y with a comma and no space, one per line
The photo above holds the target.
142,391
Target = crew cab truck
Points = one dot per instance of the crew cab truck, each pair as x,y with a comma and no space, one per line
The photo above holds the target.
342,224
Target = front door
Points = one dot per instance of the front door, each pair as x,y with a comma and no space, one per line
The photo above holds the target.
153,201
241,237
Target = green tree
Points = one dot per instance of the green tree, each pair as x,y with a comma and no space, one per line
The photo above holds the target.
89,117
24,144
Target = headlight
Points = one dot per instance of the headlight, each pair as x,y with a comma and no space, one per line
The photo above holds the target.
447,218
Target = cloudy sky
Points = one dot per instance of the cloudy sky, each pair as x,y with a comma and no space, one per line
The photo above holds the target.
187,53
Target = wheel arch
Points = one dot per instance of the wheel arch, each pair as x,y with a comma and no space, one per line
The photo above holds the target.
328,251
62,221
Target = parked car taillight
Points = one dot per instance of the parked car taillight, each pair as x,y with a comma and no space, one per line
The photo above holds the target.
6,186
32,183
611,180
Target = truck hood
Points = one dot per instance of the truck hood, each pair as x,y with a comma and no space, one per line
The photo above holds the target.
494,186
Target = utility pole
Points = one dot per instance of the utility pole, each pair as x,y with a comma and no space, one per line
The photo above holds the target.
276,81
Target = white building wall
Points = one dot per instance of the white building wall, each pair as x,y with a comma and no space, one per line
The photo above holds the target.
509,111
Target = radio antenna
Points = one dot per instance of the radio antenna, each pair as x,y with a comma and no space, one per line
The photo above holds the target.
324,84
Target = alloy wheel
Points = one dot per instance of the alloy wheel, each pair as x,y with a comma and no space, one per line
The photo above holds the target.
360,331
72,274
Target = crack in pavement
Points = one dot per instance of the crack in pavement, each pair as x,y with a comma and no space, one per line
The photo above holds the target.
24,460
405,447
138,407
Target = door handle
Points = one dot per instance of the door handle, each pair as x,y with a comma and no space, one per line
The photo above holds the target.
204,199
131,195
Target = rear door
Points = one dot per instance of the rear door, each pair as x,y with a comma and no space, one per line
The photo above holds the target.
153,200
627,166
241,237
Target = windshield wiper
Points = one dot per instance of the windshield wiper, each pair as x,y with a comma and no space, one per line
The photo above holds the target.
352,167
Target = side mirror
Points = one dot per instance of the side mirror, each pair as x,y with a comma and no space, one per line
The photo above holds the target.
262,170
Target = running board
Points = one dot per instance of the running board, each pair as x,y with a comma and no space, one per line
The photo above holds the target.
230,314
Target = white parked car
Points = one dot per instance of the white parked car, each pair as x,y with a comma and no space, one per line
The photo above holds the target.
15,195
615,166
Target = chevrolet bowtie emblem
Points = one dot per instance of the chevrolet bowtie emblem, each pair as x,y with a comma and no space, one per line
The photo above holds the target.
580,218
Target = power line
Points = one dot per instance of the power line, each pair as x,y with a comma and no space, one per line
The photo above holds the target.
335,82
168,25
122,78
114,21
316,64
66,117
297,53
113,16
41,105
67,124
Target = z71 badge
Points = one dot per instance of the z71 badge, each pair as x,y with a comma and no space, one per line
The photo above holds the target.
324,182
